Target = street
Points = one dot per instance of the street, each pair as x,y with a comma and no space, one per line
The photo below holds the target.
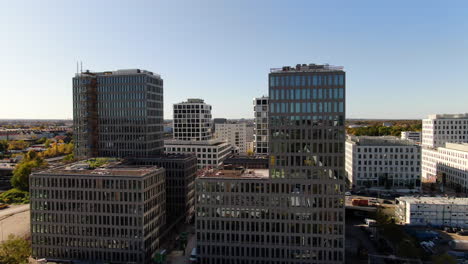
15,220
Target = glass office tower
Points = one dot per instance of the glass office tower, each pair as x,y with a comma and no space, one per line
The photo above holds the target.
118,113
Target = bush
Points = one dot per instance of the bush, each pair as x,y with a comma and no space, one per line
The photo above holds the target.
14,196
15,250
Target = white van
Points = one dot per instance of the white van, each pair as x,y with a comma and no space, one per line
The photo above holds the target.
193,256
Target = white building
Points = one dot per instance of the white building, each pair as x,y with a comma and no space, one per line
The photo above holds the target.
192,120
434,211
411,135
440,129
210,153
449,164
383,163
234,134
261,125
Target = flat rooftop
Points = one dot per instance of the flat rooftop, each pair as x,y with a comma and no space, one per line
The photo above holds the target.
117,72
308,68
448,116
235,174
434,200
457,146
211,142
379,141
109,169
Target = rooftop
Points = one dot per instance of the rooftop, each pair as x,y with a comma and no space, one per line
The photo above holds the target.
235,174
457,146
211,142
117,72
449,116
115,168
379,141
308,68
434,200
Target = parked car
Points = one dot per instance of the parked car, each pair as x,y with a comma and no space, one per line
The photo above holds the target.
193,256
387,202
347,193
3,206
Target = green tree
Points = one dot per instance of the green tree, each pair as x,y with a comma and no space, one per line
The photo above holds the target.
3,145
17,145
15,250
47,143
20,178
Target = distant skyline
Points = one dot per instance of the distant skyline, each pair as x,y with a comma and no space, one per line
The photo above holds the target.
403,59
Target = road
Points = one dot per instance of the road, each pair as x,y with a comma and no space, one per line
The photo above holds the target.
15,220
179,258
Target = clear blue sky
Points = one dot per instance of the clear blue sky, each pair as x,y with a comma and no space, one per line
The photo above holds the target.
404,59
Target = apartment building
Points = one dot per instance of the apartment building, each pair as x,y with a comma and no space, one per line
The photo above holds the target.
117,113
235,134
111,214
260,145
411,135
433,211
383,163
443,128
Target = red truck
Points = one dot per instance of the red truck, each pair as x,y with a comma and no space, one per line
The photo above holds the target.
360,202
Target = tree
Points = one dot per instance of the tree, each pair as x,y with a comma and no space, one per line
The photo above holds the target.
20,179
17,145
3,145
15,250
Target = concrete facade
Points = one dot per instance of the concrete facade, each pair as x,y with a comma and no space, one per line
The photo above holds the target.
411,135
447,164
261,137
114,214
192,120
209,153
383,163
443,128
434,211
234,134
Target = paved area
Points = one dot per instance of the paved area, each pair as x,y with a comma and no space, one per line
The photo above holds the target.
15,220
179,257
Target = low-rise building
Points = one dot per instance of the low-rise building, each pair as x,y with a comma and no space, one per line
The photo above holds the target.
209,153
411,135
383,163
447,164
111,214
433,211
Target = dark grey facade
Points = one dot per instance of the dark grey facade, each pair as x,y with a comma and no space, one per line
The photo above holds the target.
180,179
107,215
118,114
293,212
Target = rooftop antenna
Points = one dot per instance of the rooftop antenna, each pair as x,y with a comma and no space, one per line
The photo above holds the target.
81,66
76,67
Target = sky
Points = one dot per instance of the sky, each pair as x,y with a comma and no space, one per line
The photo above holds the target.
403,59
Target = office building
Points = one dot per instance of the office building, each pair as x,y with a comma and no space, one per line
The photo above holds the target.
440,129
218,121
411,135
433,211
448,165
192,120
192,134
293,212
261,125
383,163
111,214
209,153
180,180
117,113
235,134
